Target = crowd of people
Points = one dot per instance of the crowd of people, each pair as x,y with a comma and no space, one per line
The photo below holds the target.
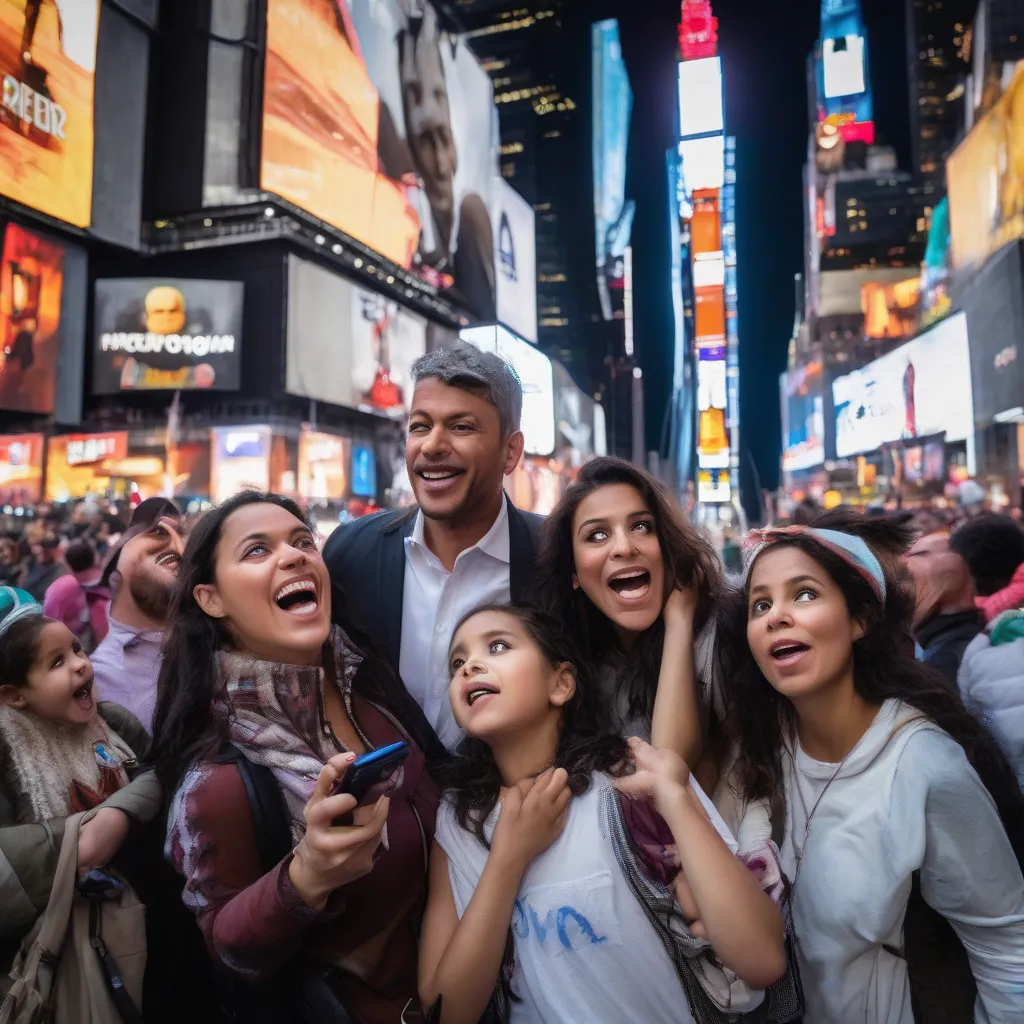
632,784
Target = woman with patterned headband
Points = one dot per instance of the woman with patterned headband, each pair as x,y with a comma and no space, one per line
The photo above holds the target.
901,822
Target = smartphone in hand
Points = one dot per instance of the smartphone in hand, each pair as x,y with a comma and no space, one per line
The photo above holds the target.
369,775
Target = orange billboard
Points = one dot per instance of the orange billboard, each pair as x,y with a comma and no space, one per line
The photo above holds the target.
21,469
709,315
78,465
31,283
47,67
891,310
985,181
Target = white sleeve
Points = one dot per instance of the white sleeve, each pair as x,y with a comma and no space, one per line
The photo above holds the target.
714,817
969,872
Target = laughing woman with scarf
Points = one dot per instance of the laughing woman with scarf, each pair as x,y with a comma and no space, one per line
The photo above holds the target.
252,661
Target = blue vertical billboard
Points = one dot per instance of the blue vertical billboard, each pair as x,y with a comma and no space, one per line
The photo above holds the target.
613,215
841,72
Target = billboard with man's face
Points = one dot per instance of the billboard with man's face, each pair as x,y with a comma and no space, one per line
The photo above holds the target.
166,334
380,123
47,68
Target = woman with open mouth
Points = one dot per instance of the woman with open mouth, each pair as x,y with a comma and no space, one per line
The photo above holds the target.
61,752
902,822
263,706
639,585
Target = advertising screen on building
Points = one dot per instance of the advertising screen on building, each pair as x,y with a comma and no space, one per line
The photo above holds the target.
349,346
534,371
985,181
700,97
364,471
698,30
891,310
323,466
613,107
380,123
841,72
239,459
515,259
21,469
803,417
921,389
48,65
167,334
78,465
31,286
703,162
712,406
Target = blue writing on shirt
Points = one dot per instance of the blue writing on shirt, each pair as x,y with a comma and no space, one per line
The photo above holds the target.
569,925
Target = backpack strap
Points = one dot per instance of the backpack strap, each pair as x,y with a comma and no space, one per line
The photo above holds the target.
270,818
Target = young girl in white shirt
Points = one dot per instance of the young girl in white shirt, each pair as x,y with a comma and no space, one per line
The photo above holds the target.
538,896
903,820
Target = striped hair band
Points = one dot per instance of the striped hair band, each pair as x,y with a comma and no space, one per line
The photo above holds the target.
851,549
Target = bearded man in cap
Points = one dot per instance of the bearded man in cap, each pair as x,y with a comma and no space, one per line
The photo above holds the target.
141,574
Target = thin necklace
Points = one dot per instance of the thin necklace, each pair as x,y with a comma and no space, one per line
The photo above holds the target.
799,851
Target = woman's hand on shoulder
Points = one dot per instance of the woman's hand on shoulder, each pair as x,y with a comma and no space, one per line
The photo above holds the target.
680,608
330,856
661,776
533,814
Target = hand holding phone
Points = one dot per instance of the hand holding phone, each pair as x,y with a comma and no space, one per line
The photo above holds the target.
369,775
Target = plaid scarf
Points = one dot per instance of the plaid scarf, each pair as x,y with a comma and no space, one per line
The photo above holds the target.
275,718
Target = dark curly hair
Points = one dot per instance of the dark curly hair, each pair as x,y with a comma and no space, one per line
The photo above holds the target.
20,648
586,742
883,666
992,545
690,561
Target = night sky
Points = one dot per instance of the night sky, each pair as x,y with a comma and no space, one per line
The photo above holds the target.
764,48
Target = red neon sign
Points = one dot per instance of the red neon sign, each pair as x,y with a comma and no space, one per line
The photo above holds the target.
698,30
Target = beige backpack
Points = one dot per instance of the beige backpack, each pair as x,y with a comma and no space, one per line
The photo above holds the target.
83,962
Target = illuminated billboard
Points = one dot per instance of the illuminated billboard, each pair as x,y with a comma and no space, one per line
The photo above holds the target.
31,287
21,469
803,413
985,181
613,215
891,310
703,162
347,345
712,406
78,465
698,30
841,73
700,97
379,122
920,390
48,66
167,334
515,257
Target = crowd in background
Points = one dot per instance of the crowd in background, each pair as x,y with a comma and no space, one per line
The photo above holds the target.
632,778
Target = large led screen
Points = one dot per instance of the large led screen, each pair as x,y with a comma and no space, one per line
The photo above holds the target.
535,373
703,162
167,334
803,417
712,405
78,465
700,97
380,123
515,257
613,215
985,181
841,62
347,345
920,390
48,65
31,286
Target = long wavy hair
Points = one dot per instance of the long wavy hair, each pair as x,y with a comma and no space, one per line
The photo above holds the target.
690,562
186,729
764,721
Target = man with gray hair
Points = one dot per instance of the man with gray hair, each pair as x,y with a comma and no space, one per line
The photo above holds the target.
409,576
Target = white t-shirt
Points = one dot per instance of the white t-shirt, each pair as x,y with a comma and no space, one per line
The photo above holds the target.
434,601
585,950
905,800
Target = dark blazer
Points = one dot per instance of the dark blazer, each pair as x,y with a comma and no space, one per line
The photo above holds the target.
366,560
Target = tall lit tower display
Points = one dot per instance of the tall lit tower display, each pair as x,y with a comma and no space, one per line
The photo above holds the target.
707,189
